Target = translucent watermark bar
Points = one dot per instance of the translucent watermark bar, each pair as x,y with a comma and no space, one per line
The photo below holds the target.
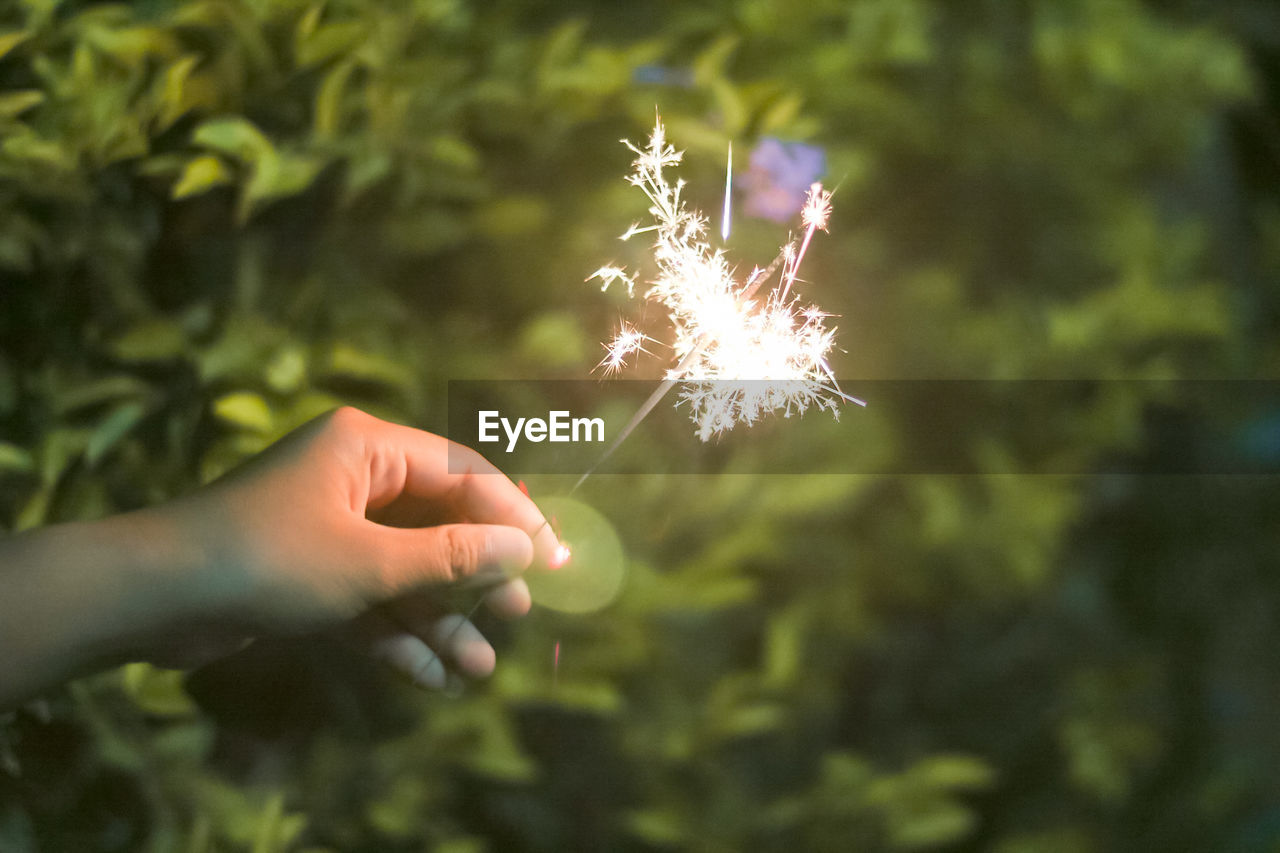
977,427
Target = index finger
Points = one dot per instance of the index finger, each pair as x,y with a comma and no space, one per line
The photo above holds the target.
407,461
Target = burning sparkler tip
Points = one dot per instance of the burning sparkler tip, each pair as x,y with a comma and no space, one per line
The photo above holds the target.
560,556
817,207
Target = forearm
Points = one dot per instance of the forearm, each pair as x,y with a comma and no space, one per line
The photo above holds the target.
78,597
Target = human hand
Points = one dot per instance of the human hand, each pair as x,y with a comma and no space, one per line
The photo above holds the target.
356,523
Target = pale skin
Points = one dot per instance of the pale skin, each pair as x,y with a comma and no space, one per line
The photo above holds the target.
350,524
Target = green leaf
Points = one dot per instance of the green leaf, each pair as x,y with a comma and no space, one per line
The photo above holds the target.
346,360
306,407
235,137
175,94
132,46
155,339
397,813
276,830
454,153
14,103
10,40
60,448
709,65
750,720
287,370
201,174
658,826
938,822
112,429
780,114
35,510
237,355
328,108
98,391
187,742
25,144
364,171
245,409
309,21
15,458
784,645
157,691
267,839
503,765
328,40
957,772
277,175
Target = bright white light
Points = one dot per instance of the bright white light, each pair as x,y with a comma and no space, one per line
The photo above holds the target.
724,336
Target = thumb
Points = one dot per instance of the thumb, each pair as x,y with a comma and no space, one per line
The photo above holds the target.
480,553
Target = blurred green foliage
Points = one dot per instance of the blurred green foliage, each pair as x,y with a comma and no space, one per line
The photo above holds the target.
219,218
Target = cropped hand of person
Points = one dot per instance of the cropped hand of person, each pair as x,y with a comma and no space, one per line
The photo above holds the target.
350,522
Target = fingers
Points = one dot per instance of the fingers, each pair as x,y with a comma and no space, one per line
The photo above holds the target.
479,554
408,655
416,478
429,652
460,643
509,600
406,461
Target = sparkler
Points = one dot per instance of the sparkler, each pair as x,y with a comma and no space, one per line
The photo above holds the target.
737,357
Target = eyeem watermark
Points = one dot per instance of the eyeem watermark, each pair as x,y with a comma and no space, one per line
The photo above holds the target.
559,426
921,426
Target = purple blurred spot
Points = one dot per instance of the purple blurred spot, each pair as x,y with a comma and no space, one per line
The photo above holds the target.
779,176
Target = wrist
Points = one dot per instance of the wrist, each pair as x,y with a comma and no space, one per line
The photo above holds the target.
84,595
189,586
145,585
146,573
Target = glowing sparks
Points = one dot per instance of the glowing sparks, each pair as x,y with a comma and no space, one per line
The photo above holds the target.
628,341
560,556
609,274
728,195
814,215
737,357
816,210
